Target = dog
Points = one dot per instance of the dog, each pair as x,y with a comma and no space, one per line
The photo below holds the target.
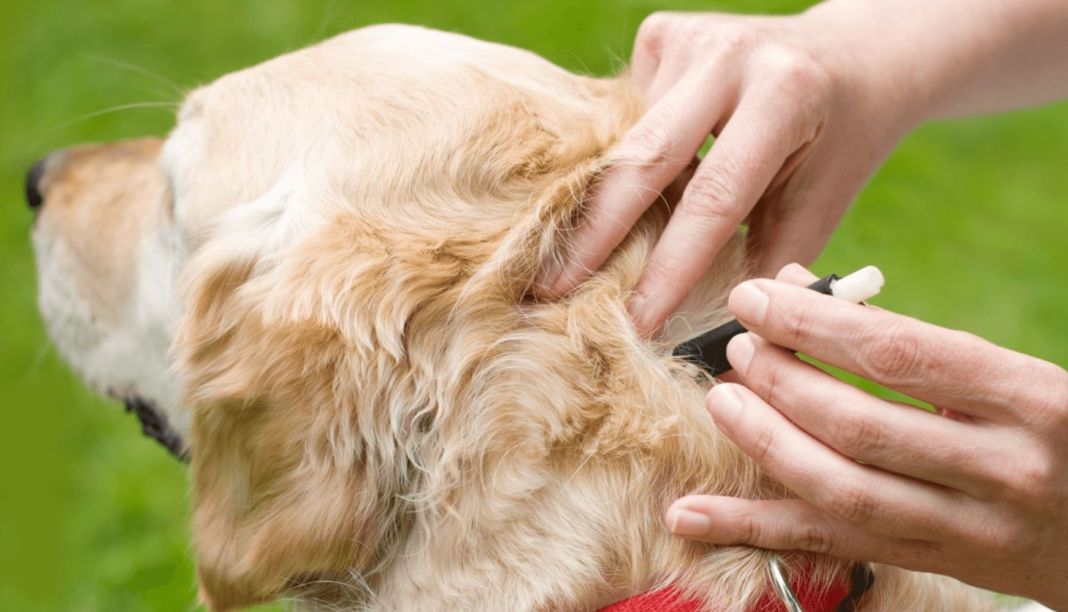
317,287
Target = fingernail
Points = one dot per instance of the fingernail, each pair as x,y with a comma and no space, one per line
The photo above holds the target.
749,303
543,284
687,522
634,306
795,273
638,310
740,352
559,282
723,403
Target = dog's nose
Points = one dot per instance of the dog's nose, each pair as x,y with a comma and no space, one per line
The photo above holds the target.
33,184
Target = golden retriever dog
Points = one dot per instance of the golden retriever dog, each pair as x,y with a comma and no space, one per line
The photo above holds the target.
319,282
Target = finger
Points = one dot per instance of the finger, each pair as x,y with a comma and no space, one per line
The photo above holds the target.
796,274
781,232
895,437
648,48
729,181
938,365
791,524
796,217
649,157
863,495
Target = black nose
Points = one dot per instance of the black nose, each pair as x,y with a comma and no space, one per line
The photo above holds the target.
33,185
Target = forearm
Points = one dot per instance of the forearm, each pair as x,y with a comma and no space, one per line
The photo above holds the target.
948,58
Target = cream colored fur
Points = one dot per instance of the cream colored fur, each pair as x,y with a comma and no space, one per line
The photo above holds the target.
381,416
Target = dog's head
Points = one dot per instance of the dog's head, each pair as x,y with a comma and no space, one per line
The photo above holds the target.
320,275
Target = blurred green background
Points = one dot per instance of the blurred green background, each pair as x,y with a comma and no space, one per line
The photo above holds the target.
967,219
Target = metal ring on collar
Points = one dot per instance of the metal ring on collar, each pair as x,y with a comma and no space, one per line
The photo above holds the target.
782,585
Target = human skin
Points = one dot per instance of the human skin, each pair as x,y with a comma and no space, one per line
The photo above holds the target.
978,492
804,109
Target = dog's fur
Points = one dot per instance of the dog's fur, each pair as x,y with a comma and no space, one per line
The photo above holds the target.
378,414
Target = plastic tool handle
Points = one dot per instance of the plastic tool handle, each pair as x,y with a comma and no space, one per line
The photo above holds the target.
709,350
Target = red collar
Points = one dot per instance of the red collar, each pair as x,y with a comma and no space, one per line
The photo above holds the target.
842,597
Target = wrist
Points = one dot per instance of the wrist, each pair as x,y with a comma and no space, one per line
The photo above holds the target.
879,59
949,58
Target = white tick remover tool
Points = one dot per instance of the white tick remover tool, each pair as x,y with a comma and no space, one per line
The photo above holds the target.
709,350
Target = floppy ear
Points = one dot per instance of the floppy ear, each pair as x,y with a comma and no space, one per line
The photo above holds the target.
296,475
315,370
312,376
309,376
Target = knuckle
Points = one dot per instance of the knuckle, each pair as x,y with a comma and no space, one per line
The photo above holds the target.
853,503
1041,396
648,147
894,353
797,325
1060,375
667,266
772,379
1056,412
1034,481
797,72
803,87
749,530
920,555
733,38
988,478
1059,393
1009,541
856,436
814,538
764,447
711,195
651,30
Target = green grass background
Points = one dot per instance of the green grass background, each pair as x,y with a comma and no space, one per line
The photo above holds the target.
967,219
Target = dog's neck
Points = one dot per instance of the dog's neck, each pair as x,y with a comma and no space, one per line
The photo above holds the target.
554,459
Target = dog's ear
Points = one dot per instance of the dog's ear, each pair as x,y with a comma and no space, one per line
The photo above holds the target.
311,377
310,372
315,370
296,478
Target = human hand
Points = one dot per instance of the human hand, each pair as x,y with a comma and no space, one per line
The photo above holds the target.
804,109
800,127
978,493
